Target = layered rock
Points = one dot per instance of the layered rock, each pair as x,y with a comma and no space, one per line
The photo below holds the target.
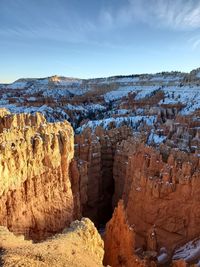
95,153
35,187
79,245
161,194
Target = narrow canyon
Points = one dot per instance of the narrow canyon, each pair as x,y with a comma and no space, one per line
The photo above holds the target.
106,175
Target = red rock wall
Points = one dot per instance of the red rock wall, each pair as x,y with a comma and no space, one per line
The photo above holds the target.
95,153
36,197
160,190
119,242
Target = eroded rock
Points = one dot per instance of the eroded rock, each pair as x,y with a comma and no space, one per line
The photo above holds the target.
36,196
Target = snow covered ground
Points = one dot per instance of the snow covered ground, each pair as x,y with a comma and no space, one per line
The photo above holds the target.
187,95
190,252
141,91
51,114
155,138
134,122
22,95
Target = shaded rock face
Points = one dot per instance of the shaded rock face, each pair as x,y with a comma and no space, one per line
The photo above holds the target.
95,155
35,164
161,194
79,245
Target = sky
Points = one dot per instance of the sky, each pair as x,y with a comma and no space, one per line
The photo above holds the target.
97,38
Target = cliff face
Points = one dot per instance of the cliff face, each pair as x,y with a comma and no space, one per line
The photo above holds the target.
161,194
95,154
79,245
35,188
119,242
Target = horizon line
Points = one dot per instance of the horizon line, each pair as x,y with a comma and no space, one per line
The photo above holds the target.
100,77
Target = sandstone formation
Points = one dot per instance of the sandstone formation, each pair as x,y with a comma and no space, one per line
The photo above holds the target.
79,245
137,138
35,187
95,153
120,242
161,194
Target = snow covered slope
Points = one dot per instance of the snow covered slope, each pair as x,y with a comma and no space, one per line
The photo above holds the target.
99,99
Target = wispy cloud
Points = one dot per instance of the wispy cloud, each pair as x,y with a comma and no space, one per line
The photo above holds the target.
194,42
39,20
173,14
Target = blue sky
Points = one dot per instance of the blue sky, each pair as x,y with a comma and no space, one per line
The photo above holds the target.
96,38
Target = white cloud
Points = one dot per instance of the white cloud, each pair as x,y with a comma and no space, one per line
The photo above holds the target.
174,14
59,23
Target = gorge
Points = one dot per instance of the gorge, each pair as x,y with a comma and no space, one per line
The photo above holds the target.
122,151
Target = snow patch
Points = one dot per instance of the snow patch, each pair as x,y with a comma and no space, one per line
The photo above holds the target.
155,138
133,122
190,252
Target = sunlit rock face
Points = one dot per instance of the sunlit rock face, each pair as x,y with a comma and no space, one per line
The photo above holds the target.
35,186
78,245
119,242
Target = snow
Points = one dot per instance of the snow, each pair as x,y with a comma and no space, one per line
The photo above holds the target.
32,98
17,85
122,111
118,112
56,89
51,114
142,92
189,252
124,80
56,93
44,81
69,82
3,102
78,91
166,79
155,138
95,107
86,108
187,95
133,122
118,94
148,92
163,258
74,107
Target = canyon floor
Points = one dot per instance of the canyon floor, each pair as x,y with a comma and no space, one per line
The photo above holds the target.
123,152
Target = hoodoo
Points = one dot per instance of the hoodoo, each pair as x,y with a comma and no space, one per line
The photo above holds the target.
35,187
